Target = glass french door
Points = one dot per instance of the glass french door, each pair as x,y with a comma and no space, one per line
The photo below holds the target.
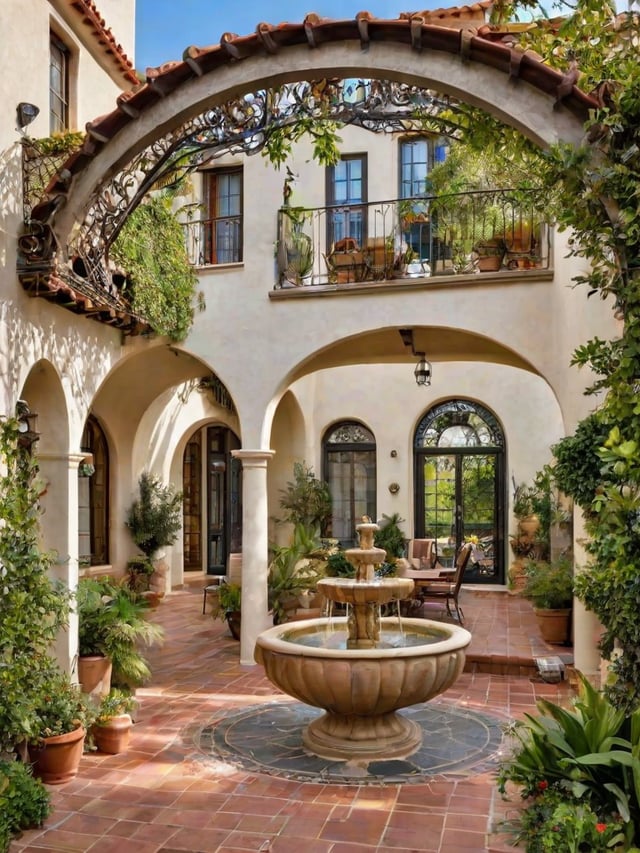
460,487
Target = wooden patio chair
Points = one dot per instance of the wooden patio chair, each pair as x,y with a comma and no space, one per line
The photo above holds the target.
447,591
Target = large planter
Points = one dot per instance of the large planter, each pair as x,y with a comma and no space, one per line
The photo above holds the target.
113,737
94,674
56,760
555,625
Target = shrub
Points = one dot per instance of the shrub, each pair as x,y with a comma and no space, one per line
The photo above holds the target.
25,803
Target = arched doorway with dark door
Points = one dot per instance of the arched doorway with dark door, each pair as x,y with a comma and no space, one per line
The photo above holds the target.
460,486
212,506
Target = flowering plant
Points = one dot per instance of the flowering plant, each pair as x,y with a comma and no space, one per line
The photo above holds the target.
115,704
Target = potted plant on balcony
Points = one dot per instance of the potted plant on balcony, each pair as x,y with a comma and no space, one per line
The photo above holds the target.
111,729
549,587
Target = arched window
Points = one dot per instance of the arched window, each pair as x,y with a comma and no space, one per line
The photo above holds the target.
460,485
349,462
93,497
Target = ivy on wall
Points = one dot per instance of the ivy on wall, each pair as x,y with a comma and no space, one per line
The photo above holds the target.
151,250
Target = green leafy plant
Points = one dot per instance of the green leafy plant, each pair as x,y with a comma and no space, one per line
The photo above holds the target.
151,249
293,569
390,536
116,703
306,500
585,758
338,566
230,599
549,585
61,707
113,622
578,470
155,517
33,607
25,803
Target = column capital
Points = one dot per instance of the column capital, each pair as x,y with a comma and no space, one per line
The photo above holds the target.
253,458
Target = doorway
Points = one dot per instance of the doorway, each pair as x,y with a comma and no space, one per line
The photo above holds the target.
460,486
212,487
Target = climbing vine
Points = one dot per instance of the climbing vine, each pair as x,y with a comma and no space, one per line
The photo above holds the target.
151,250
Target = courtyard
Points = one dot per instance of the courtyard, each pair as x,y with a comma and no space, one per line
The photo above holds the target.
184,783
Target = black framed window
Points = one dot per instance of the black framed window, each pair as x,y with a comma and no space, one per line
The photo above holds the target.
349,462
58,85
93,497
222,239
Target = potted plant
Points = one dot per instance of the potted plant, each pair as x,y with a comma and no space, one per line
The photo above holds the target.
25,803
524,510
294,569
112,622
154,520
230,600
307,500
549,587
111,729
63,714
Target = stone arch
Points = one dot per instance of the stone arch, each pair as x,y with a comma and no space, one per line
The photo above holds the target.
516,87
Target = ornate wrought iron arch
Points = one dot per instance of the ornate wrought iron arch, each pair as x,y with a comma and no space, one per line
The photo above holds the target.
458,413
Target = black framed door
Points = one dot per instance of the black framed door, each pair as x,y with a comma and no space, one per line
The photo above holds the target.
224,499
460,486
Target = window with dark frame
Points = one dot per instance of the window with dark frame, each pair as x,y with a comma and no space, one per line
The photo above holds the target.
58,85
223,227
346,194
416,157
349,462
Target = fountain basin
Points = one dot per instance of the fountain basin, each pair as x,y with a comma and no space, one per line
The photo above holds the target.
361,689
352,591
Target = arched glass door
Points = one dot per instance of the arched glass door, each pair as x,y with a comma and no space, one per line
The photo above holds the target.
460,486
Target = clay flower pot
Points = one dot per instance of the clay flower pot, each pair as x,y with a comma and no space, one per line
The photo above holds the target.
56,759
112,737
94,674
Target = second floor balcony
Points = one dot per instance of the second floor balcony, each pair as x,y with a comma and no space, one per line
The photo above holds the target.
475,232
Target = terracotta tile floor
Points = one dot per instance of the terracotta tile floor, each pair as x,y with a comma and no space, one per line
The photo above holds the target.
162,794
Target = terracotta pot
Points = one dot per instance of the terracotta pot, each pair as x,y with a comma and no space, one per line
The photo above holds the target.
489,263
57,759
113,737
94,674
555,625
233,621
528,526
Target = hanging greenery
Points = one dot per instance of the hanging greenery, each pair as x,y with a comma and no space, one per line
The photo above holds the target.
151,249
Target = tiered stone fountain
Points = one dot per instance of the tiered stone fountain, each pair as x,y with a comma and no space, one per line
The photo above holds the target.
362,668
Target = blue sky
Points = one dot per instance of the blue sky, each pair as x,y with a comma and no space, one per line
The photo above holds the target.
164,28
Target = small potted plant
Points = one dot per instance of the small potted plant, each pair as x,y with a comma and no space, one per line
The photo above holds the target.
549,587
112,726
230,600
63,715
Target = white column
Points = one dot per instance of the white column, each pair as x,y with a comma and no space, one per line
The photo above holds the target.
59,527
586,626
255,549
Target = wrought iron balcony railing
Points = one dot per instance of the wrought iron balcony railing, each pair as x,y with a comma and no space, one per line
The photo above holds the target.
480,231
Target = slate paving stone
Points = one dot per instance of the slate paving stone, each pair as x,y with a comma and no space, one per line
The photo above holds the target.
268,739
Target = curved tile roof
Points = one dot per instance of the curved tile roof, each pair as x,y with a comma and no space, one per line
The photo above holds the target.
411,29
91,17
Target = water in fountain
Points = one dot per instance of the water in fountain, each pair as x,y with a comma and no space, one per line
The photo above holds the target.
361,669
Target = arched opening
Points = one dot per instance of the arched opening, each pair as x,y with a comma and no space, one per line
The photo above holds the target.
349,467
460,486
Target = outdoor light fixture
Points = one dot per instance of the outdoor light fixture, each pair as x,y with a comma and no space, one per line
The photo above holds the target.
26,113
423,369
28,434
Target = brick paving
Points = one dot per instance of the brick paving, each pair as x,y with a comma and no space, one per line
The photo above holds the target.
163,794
